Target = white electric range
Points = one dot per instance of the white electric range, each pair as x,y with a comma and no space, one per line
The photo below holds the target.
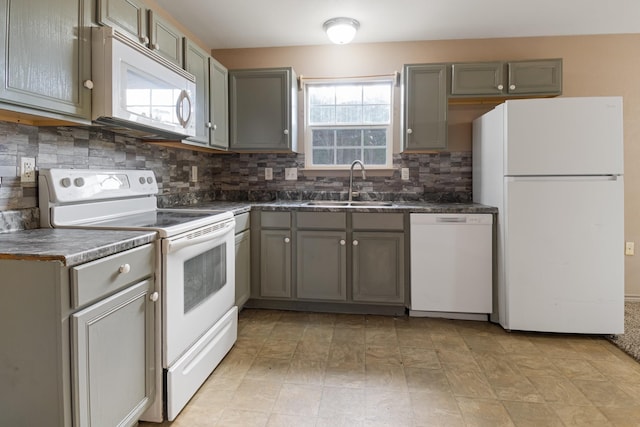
197,324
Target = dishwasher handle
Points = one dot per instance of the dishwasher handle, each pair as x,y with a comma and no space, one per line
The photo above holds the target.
451,219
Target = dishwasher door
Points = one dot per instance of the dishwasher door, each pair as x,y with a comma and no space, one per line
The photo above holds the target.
451,265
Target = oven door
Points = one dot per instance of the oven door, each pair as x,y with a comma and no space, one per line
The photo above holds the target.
198,285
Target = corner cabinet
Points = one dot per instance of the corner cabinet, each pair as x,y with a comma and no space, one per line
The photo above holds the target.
515,78
424,123
263,110
84,353
46,55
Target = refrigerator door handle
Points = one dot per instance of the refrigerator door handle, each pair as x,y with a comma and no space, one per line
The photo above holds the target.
565,178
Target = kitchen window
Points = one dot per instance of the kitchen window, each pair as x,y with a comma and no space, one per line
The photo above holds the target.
348,120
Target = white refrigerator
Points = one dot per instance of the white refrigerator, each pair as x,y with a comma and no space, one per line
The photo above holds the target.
554,169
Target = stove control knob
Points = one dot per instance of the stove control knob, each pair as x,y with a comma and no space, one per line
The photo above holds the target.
79,182
65,182
142,181
124,268
149,180
154,297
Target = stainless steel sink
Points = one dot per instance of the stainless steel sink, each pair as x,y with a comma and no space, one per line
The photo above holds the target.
372,203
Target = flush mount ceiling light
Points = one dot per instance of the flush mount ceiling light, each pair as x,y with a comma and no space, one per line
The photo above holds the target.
341,30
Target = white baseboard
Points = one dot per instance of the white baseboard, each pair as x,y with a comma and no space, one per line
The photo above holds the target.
632,298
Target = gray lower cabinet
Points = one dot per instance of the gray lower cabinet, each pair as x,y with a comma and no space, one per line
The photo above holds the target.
218,105
78,343
424,123
243,259
378,267
196,61
516,78
321,260
263,110
275,263
46,55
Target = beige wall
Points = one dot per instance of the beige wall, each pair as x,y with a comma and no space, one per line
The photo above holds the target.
593,65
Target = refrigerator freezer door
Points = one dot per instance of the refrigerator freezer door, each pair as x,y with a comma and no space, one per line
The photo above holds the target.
564,136
563,255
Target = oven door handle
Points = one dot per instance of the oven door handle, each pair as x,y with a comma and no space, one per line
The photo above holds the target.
175,245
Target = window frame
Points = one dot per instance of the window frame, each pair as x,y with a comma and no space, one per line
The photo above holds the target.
308,128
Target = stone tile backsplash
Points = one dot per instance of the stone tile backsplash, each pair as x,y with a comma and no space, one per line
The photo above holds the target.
442,177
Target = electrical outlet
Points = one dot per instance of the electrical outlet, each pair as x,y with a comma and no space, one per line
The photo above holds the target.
629,248
28,169
291,174
268,174
405,174
194,173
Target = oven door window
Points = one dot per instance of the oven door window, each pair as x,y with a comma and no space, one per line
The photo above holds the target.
204,275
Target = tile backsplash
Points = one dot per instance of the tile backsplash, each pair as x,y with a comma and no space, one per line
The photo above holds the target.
444,176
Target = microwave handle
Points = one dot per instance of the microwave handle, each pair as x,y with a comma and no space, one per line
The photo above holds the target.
184,96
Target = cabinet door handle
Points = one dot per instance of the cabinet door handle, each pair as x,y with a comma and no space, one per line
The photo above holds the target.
342,242
156,46
88,84
154,297
409,131
286,131
512,87
215,127
287,240
355,243
209,125
144,39
500,87
124,268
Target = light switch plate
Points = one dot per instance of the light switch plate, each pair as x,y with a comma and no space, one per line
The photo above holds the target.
629,248
291,174
268,174
194,173
404,172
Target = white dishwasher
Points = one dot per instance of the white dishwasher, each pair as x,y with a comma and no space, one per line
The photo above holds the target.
451,265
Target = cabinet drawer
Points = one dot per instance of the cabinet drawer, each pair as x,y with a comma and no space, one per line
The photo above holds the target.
378,221
275,220
243,222
322,220
101,277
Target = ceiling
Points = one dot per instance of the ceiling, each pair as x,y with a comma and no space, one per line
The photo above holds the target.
268,23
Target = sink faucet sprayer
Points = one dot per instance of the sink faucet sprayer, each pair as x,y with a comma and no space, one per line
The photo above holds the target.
364,176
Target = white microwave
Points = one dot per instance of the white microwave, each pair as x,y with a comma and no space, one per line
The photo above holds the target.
138,92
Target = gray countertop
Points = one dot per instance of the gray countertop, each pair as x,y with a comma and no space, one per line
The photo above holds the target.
411,207
69,246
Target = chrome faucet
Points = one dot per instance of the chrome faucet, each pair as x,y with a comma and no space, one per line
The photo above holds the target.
364,176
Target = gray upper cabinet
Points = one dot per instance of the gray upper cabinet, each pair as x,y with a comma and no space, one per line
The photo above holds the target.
196,61
263,110
128,16
425,107
219,105
542,77
484,78
504,79
165,39
46,53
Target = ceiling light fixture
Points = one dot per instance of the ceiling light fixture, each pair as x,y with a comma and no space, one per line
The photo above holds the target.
341,30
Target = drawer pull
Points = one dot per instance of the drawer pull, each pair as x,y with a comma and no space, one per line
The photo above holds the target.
124,268
154,297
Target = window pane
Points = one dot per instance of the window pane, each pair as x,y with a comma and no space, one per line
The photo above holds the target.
344,156
349,94
376,114
322,138
322,156
375,137
322,95
349,114
375,156
322,115
376,94
348,138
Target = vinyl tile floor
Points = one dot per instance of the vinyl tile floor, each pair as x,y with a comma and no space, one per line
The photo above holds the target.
308,369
